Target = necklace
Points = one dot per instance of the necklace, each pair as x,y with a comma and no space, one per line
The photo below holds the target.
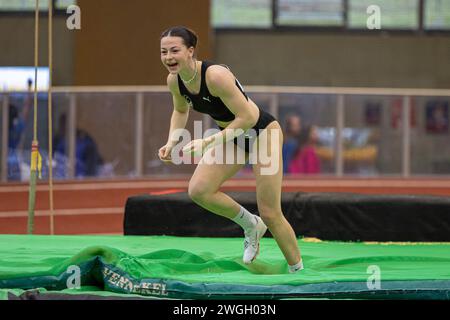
193,77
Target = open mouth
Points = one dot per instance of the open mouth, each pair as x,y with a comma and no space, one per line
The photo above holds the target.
172,65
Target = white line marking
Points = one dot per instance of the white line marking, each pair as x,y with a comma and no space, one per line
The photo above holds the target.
64,212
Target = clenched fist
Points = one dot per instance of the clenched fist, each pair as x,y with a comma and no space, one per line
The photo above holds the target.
165,152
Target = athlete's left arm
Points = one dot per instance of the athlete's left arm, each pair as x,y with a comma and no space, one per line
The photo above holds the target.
222,83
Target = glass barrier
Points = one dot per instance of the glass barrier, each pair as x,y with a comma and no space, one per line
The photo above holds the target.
2,146
62,165
118,134
373,135
430,148
105,134
20,134
308,121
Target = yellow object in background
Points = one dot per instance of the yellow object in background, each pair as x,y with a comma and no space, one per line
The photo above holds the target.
36,159
368,153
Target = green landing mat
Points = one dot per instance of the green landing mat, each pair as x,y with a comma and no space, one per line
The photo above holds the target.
163,267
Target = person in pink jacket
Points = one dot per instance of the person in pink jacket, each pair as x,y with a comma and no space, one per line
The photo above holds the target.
305,159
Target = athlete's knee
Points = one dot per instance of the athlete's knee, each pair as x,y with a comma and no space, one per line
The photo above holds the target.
271,215
199,190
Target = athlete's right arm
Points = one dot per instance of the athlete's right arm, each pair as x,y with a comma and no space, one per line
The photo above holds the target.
179,117
180,112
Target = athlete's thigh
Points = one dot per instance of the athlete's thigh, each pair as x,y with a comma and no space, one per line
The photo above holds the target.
268,167
215,167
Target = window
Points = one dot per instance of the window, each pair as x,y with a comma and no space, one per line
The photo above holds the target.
437,14
17,78
21,5
30,5
63,4
338,14
241,13
310,12
398,14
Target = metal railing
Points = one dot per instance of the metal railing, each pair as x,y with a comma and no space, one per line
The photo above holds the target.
271,94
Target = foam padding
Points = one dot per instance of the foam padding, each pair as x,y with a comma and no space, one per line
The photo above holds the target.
327,216
211,268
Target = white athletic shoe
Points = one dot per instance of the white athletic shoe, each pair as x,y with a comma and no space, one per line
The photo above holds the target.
251,241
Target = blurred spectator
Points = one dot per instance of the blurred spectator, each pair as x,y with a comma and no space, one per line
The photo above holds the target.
305,159
87,157
16,133
291,138
437,117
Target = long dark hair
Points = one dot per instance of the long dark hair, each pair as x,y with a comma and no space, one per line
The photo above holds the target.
189,37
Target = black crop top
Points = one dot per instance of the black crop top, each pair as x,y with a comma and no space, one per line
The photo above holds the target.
204,101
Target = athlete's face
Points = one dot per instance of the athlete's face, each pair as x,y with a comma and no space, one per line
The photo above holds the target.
175,56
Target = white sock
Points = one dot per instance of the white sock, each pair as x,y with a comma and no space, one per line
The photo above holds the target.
296,267
245,219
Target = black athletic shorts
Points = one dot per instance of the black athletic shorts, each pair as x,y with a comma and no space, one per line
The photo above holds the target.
263,121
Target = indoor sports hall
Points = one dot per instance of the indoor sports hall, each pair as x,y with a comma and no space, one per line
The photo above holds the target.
91,209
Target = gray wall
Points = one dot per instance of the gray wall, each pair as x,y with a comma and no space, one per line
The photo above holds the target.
318,59
269,58
17,45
